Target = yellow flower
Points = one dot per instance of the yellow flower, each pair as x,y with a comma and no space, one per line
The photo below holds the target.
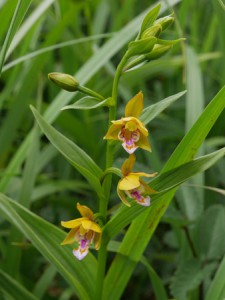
132,186
130,130
84,231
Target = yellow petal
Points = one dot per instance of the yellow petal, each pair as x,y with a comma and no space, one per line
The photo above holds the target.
97,240
144,143
72,224
128,164
142,174
129,182
134,107
70,238
113,132
148,189
123,197
131,125
90,225
85,211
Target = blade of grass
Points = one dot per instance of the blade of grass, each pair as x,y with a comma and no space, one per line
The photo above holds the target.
19,13
13,288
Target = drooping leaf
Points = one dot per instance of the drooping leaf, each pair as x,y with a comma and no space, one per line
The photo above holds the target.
150,112
75,155
88,103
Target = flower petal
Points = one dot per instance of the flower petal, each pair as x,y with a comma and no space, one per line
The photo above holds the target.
134,107
142,174
143,143
90,225
128,164
72,223
123,197
148,190
70,238
97,240
129,182
85,211
145,201
113,132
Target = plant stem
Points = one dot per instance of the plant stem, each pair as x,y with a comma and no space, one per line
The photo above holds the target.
103,204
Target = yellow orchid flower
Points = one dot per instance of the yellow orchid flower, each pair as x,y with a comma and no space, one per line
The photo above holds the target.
130,130
84,231
132,186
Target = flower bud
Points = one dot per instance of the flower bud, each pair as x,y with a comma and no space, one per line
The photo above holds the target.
158,51
153,31
164,22
64,81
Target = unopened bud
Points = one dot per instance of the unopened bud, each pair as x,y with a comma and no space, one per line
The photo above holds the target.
158,51
164,22
153,31
64,81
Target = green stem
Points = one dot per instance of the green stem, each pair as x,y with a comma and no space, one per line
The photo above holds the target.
90,92
103,204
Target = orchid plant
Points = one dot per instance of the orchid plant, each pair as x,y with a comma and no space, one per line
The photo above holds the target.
142,199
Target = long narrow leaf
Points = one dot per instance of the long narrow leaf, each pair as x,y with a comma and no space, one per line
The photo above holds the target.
13,288
217,287
19,13
163,183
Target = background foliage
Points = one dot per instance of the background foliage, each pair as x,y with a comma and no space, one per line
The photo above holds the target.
185,258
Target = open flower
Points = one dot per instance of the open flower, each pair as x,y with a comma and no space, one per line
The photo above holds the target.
130,130
132,186
84,231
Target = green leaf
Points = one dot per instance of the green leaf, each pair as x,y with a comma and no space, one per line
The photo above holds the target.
209,234
217,288
76,156
14,288
88,103
141,47
19,13
47,238
163,183
187,277
150,18
157,284
152,111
